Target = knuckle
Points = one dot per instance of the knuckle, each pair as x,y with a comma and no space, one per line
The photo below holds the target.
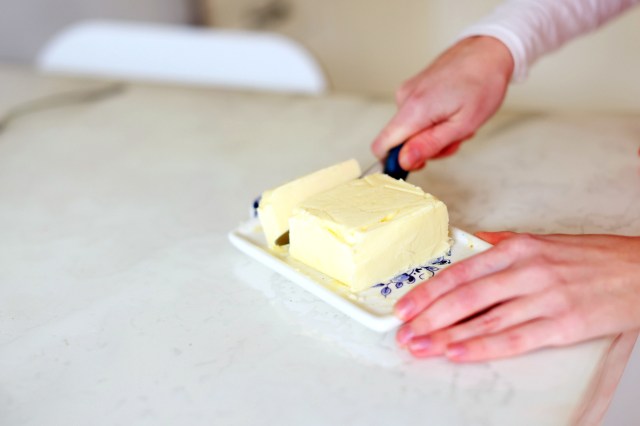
560,302
516,341
456,273
444,336
489,323
481,347
422,324
457,333
485,325
520,244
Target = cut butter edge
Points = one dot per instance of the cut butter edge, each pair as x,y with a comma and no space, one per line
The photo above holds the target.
277,204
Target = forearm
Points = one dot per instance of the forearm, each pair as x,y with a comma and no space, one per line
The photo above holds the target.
532,28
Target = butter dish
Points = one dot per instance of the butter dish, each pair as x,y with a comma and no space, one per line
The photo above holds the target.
372,307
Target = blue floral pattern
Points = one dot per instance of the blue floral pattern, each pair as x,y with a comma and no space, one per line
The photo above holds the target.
416,275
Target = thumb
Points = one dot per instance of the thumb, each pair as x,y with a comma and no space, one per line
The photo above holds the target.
495,237
431,143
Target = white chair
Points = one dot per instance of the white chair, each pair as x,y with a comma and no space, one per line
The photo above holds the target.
166,53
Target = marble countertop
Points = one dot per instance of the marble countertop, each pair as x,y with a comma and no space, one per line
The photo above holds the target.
122,302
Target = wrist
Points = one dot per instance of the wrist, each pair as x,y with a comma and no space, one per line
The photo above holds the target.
491,52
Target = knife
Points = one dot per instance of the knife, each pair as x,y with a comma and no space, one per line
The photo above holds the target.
391,167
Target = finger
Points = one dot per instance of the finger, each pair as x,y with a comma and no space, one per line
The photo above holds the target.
430,142
495,237
449,150
477,296
423,295
410,119
516,340
499,318
426,346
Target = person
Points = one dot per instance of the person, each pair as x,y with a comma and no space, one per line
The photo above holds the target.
513,298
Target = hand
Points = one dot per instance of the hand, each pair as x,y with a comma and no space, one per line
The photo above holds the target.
525,293
447,102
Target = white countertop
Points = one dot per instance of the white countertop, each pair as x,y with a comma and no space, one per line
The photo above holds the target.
122,302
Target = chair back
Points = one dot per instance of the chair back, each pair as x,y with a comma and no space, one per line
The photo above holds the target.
169,53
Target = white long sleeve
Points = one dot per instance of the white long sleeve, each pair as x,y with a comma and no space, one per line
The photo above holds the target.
531,28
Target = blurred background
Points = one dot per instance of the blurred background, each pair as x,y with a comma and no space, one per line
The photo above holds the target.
26,25
364,46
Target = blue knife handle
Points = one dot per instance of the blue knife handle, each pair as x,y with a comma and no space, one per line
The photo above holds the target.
392,164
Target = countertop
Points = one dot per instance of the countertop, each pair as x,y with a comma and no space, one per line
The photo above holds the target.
122,301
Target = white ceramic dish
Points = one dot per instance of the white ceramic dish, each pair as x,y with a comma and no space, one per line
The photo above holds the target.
372,307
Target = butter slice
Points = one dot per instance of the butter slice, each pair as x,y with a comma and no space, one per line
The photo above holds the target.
369,230
276,205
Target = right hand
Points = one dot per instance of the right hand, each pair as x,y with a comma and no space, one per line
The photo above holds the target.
446,103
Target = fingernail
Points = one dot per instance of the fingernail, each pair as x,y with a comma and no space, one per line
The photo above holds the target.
420,344
404,308
405,334
455,351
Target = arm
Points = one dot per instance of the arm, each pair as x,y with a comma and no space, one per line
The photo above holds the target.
446,103
533,28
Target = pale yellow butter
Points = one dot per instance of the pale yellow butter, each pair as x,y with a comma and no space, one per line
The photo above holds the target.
276,205
369,230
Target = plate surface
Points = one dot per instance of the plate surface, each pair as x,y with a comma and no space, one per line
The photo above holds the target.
372,307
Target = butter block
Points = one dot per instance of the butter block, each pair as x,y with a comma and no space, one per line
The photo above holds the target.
277,204
369,230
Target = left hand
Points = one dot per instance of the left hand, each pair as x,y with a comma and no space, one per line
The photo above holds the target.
525,293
